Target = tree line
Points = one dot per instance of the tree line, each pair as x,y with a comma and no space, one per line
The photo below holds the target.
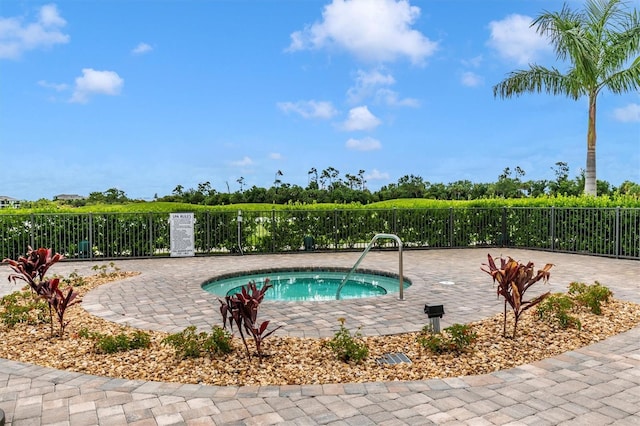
329,186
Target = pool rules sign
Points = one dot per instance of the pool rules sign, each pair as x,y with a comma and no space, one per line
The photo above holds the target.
181,229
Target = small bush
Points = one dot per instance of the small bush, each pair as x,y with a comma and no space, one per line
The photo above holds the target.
557,307
241,309
23,307
189,344
108,270
514,279
592,296
122,342
456,338
32,269
347,347
74,279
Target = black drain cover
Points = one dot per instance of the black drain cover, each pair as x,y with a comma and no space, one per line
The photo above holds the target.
393,358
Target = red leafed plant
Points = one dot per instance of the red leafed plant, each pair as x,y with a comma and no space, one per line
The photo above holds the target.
32,269
514,279
242,309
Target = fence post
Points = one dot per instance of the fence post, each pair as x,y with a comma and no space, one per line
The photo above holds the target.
335,229
151,234
552,212
451,227
618,232
207,240
32,235
90,235
504,226
395,221
273,230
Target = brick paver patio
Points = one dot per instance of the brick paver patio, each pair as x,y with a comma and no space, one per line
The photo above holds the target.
596,385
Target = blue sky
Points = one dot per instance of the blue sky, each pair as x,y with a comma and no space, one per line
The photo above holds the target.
143,95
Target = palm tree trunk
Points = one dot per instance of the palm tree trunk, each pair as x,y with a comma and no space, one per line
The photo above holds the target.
590,187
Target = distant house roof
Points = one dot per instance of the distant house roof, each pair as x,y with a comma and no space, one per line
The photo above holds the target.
6,202
68,197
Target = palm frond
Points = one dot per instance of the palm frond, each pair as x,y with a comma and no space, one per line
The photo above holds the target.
537,79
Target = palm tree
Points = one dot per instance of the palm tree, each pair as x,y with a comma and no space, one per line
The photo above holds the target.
598,42
277,180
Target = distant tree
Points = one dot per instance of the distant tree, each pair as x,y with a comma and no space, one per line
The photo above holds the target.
313,178
437,191
411,186
535,188
277,180
324,178
256,195
479,190
204,187
508,186
563,185
629,188
361,180
352,181
178,190
240,180
110,196
599,42
460,190
333,173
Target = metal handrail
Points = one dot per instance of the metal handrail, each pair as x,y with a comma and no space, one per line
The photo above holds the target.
364,253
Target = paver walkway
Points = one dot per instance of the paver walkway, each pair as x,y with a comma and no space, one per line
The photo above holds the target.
596,385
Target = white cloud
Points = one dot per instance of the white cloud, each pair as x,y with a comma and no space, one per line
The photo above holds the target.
360,118
309,109
368,85
141,49
246,161
474,62
627,114
95,82
374,78
377,175
58,87
372,30
275,156
514,39
17,36
471,79
391,98
364,144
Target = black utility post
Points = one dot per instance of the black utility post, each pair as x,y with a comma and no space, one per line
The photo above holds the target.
434,312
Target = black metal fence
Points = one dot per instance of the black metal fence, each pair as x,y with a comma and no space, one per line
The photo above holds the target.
613,232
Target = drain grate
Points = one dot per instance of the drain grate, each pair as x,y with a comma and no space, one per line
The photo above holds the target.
393,358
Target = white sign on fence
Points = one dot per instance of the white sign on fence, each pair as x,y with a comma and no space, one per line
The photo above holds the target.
181,230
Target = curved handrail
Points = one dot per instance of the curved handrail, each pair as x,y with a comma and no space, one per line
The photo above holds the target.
364,253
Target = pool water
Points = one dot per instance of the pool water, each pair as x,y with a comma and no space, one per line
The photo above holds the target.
309,285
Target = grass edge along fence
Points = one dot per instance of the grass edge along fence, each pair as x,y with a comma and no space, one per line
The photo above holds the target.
612,232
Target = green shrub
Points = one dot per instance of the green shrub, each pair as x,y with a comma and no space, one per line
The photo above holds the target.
189,344
108,270
23,307
74,279
592,296
557,307
122,342
347,347
456,338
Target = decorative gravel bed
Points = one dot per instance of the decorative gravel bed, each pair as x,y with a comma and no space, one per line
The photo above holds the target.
307,361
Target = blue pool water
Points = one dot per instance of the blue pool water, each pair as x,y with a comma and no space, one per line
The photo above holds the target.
313,285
